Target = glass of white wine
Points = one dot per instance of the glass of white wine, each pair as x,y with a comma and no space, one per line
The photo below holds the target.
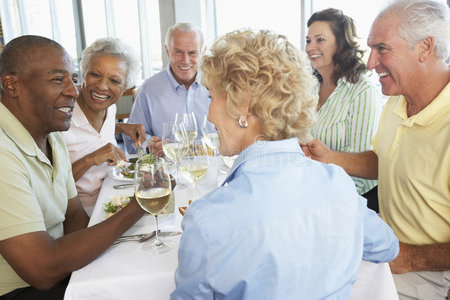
152,189
210,136
210,139
190,125
175,146
194,165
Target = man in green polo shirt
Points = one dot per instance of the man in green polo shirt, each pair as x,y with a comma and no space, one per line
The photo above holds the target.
43,235
411,154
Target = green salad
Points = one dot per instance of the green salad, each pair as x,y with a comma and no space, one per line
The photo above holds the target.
148,158
117,203
129,172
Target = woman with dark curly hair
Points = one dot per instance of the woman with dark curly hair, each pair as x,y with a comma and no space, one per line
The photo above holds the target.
349,105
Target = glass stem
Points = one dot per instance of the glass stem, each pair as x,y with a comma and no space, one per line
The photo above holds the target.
195,190
157,242
177,166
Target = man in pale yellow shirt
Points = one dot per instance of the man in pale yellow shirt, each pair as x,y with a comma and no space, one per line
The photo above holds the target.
43,235
411,155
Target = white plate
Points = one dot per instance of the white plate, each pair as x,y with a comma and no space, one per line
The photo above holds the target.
116,174
167,212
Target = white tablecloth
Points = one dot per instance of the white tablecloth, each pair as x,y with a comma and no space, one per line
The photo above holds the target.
125,271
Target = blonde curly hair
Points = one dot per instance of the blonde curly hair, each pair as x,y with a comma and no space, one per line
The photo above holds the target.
266,70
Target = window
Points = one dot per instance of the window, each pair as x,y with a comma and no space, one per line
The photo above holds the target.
52,19
286,16
77,23
74,26
281,16
362,12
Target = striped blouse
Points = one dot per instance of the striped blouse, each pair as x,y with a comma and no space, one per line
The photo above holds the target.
348,120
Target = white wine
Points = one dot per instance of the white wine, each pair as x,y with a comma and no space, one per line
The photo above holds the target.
187,138
153,200
194,172
212,140
191,135
175,151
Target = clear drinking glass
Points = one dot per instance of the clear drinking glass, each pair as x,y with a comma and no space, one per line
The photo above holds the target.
209,136
175,146
190,125
194,165
152,189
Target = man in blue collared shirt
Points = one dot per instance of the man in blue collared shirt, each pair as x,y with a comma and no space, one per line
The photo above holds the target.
174,90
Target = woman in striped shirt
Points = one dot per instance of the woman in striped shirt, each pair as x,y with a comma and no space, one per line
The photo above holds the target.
349,104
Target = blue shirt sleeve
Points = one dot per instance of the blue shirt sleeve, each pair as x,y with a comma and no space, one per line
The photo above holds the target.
380,242
191,274
140,114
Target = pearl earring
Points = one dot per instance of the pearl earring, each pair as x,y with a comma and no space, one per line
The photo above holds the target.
242,122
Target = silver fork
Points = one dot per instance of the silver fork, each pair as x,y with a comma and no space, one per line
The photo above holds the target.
137,237
145,237
140,151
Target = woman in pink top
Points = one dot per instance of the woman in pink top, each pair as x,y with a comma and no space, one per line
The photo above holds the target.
109,67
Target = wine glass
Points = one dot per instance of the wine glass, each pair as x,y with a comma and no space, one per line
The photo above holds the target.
190,125
174,144
152,189
194,165
210,137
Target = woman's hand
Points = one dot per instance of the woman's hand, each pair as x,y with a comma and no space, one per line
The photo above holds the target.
109,153
135,131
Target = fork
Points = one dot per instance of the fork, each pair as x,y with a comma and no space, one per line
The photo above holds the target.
138,237
145,237
140,151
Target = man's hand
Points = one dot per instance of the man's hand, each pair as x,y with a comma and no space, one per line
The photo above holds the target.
363,164
316,150
403,262
135,131
433,257
155,146
52,260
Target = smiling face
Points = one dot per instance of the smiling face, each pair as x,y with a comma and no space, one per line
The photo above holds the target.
184,51
104,82
392,58
321,46
47,91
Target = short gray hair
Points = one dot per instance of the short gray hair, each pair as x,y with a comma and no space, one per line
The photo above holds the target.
185,27
419,19
113,47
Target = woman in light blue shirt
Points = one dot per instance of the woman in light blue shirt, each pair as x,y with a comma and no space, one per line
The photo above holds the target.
280,219
349,106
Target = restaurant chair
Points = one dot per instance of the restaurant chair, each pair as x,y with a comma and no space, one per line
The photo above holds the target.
125,104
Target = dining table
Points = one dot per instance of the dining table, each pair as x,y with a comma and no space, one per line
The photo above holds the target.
127,271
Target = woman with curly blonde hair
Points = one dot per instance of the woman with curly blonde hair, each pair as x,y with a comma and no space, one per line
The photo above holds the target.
279,220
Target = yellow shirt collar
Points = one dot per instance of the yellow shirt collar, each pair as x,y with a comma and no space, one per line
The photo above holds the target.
438,107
